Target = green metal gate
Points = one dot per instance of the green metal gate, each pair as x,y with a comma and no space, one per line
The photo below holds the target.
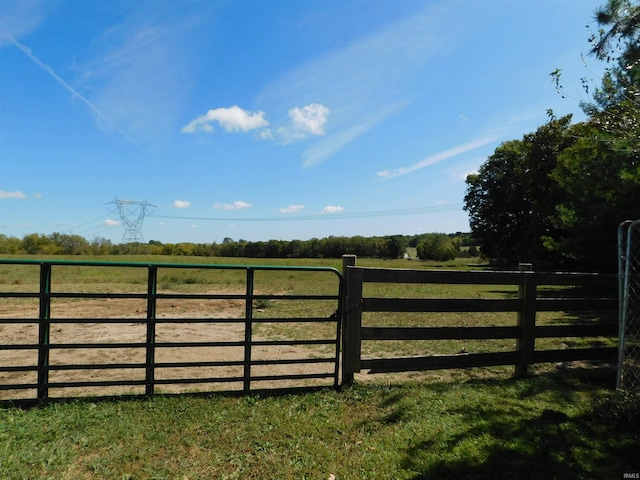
250,328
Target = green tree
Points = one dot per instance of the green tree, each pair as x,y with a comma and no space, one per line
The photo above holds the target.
34,244
70,244
601,172
437,246
602,186
615,104
392,246
512,199
229,248
9,245
101,246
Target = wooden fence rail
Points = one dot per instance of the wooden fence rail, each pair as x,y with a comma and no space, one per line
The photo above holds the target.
524,331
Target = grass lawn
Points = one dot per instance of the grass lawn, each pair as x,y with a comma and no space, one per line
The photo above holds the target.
556,424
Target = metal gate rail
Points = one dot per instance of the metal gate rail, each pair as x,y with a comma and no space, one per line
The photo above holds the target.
46,293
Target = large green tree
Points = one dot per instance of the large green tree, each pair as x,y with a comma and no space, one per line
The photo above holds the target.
602,189
437,246
512,199
557,196
601,171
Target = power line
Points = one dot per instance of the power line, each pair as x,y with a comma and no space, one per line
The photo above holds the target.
75,227
324,216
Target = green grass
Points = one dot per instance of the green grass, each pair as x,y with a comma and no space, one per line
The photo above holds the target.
553,425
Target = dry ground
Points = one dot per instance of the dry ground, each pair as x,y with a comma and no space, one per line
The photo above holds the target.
131,331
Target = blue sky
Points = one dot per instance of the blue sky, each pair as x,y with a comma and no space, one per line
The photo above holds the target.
272,119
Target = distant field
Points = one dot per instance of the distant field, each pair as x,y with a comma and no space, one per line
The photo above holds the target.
331,262
105,279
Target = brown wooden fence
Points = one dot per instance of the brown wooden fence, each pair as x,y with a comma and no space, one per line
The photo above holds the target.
602,300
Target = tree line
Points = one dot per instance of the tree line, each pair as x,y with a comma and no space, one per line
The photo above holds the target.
556,196
429,246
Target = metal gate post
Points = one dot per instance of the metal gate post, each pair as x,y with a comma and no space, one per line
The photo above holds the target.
152,282
44,328
248,329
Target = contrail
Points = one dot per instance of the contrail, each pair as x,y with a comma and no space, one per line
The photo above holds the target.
27,51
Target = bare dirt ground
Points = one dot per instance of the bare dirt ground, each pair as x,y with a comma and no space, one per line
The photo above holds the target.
132,330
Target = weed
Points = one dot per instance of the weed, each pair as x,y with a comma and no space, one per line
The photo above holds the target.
263,303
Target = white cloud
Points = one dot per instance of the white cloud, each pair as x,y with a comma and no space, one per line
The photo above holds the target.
181,204
310,118
265,134
232,119
16,194
111,223
237,205
332,209
438,157
292,209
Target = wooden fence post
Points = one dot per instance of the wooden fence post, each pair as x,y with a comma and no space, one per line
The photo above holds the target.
351,319
526,343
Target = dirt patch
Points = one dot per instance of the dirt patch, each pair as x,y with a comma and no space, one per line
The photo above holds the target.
130,333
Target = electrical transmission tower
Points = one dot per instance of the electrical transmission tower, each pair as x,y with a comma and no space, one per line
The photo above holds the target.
132,215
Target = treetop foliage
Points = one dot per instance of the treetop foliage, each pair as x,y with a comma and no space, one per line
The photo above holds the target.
556,197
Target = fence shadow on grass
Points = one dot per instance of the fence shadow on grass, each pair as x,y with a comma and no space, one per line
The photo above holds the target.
550,444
